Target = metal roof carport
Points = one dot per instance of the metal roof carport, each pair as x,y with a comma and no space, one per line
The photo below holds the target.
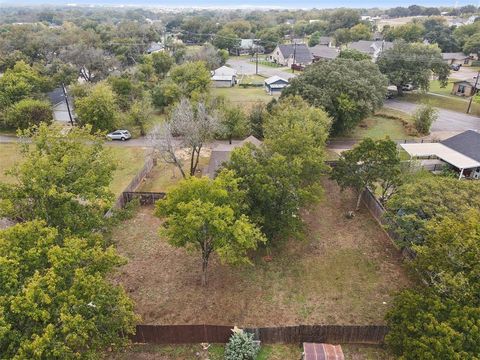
442,152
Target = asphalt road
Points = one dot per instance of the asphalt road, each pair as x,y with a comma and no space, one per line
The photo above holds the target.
245,67
447,121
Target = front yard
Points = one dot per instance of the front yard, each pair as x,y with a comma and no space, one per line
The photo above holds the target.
244,97
342,272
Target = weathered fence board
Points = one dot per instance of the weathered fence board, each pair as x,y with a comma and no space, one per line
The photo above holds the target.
145,198
186,334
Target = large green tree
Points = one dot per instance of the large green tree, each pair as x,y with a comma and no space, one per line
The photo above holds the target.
414,64
193,78
369,163
425,198
206,215
98,108
62,179
226,39
348,90
28,112
55,302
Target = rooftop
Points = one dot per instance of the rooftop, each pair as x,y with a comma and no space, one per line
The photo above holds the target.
325,52
274,79
302,53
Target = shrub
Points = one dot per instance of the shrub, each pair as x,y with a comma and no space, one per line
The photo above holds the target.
241,346
424,117
28,112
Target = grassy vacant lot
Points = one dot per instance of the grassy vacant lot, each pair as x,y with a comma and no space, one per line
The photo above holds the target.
449,103
245,98
164,176
342,272
385,122
129,160
216,352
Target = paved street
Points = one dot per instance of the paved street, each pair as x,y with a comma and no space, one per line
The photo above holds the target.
245,67
448,122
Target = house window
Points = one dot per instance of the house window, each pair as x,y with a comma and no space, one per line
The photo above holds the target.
461,89
466,61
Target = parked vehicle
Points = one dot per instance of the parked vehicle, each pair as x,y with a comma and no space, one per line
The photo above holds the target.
408,87
455,67
119,135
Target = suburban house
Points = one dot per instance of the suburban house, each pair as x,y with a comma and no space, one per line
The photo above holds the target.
289,54
247,47
320,52
224,76
59,105
460,153
372,48
275,84
155,47
466,87
326,41
457,58
221,154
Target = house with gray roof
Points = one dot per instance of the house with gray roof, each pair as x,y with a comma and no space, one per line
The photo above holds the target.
275,84
372,48
224,76
289,54
221,154
326,41
320,52
457,58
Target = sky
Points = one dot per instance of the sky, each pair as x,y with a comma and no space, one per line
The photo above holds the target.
254,3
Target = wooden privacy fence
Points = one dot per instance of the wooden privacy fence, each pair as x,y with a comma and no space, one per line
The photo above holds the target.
187,334
145,198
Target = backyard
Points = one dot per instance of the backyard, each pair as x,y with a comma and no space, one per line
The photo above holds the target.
244,97
341,272
216,352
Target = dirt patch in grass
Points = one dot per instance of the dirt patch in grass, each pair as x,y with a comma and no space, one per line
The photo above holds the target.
343,272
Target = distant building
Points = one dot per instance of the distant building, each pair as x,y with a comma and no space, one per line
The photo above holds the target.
247,47
457,58
320,52
155,47
221,154
59,105
290,54
275,84
372,48
326,41
466,87
224,76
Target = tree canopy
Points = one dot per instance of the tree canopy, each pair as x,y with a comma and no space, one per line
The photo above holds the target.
348,90
63,179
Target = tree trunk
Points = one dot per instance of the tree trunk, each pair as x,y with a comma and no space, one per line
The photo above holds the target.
359,199
399,90
230,139
192,170
204,271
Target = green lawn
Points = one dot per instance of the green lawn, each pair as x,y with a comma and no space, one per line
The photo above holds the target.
9,155
252,79
245,98
393,124
449,103
437,89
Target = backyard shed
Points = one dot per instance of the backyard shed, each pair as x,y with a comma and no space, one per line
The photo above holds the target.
314,351
275,84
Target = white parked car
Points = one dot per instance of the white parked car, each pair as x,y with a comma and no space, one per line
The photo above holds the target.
120,135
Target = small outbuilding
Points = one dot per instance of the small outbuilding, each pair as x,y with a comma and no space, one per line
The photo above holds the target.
314,351
275,84
224,76
465,87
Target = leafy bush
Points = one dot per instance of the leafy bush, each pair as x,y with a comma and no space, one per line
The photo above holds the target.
28,112
424,117
241,346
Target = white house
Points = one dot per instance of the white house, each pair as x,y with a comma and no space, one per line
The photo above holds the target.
224,76
275,84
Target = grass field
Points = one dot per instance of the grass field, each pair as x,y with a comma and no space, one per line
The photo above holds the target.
449,103
165,176
342,272
385,122
446,91
128,159
245,98
216,352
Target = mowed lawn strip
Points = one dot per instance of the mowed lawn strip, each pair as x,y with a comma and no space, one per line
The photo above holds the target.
343,272
9,156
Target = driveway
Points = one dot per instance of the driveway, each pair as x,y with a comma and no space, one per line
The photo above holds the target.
245,67
448,122
465,73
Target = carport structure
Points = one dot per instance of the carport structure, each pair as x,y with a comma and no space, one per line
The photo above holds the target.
444,153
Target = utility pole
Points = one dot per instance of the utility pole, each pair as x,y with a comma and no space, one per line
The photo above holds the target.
68,105
294,55
474,91
256,62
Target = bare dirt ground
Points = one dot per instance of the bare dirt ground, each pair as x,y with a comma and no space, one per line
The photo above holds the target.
342,272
